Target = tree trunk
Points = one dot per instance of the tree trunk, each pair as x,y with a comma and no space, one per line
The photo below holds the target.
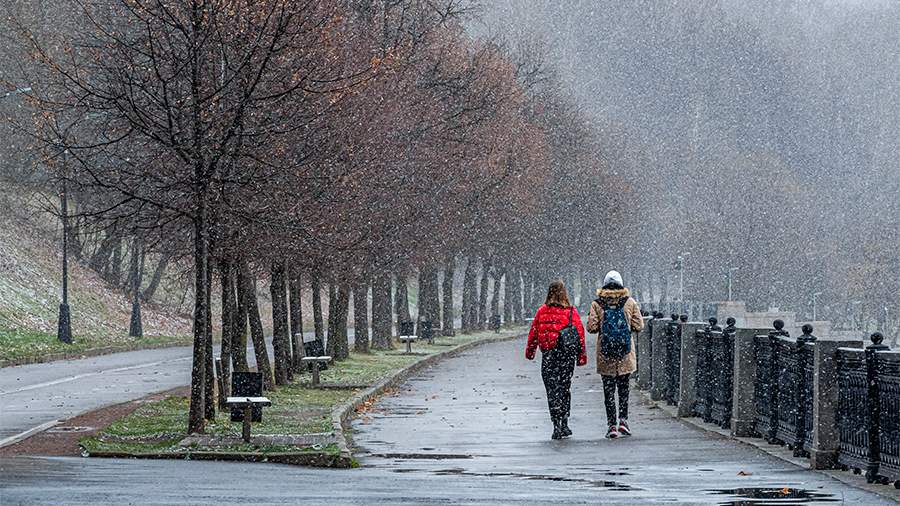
209,377
196,420
381,312
228,327
536,288
517,296
483,294
100,258
238,322
296,307
429,303
587,292
114,268
156,279
469,297
318,324
248,299
361,318
495,298
447,311
507,298
341,347
401,301
280,329
333,305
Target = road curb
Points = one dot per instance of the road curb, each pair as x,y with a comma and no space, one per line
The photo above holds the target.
311,459
341,415
855,481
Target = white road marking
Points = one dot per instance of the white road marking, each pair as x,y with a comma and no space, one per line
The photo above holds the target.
85,375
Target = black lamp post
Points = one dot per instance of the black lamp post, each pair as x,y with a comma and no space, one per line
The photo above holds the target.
64,332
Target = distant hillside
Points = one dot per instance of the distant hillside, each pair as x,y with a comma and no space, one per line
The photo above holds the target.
30,280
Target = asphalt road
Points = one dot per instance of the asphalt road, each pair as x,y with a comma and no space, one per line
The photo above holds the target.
472,430
35,396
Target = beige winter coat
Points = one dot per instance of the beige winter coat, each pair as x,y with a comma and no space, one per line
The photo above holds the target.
627,364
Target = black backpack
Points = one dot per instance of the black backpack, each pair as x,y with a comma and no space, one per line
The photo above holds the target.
569,341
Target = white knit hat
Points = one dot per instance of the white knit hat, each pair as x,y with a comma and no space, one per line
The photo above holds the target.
613,277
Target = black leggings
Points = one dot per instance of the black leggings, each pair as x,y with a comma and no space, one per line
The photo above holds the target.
556,370
610,385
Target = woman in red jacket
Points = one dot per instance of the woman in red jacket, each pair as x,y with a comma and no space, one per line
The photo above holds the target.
557,358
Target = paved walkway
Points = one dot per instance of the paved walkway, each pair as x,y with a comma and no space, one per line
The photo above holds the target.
472,430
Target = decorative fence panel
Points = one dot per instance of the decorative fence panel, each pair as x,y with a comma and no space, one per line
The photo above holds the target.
787,382
852,414
807,353
673,362
888,382
720,400
764,387
704,371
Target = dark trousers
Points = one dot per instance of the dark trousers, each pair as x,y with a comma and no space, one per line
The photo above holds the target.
557,367
610,385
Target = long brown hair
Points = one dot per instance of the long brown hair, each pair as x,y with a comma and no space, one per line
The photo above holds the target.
557,294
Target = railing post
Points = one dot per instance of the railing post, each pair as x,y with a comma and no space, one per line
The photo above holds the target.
645,355
658,349
687,395
872,405
771,435
803,393
826,438
743,409
724,387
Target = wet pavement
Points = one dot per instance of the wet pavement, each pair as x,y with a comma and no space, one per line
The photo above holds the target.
471,430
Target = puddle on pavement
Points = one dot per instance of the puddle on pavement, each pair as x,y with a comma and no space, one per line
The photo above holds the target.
761,496
606,484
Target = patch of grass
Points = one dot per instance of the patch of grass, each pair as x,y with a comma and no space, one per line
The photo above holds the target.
19,345
297,408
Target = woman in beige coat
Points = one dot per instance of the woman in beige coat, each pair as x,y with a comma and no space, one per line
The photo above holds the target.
615,371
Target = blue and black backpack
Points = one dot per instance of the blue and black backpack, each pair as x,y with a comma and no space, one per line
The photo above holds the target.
615,333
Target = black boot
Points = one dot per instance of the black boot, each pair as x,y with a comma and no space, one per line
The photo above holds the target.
557,428
564,427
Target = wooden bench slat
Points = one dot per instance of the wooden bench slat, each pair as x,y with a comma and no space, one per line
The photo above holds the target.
316,359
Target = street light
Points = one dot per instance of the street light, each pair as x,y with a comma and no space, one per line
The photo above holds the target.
814,305
64,330
679,266
729,275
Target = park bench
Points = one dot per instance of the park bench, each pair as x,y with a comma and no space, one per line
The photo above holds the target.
247,405
408,340
315,363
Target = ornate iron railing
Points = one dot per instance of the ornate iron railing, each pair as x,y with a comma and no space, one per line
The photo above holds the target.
673,362
852,416
807,356
704,371
888,383
764,386
720,400
787,382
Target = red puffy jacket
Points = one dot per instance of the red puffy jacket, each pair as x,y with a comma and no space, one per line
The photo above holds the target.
545,328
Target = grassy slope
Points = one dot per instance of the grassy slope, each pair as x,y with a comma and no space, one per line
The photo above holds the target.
30,261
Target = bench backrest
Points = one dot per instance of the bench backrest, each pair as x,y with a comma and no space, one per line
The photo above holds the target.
246,384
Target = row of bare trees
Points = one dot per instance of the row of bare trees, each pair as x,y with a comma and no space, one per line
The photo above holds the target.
336,146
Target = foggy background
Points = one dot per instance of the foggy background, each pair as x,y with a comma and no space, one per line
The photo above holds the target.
764,136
